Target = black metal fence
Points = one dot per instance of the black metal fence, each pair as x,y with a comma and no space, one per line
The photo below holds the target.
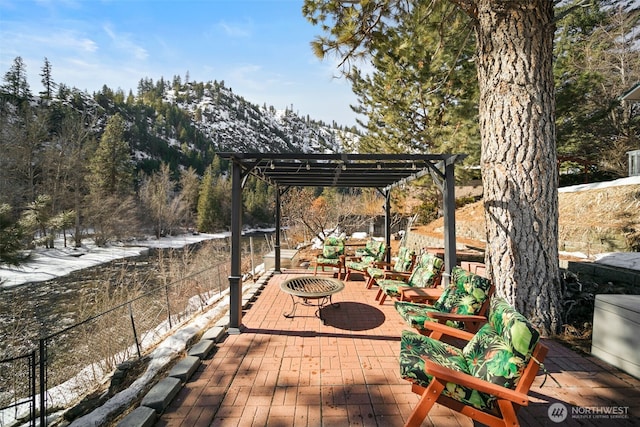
67,364
75,360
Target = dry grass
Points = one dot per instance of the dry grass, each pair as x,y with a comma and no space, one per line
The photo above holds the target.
591,221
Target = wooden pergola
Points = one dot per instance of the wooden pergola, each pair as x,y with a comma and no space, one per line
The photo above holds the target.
383,172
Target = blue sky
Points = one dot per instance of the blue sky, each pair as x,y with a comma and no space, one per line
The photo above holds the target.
259,48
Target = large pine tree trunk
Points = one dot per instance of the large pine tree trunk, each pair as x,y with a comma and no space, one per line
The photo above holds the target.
519,168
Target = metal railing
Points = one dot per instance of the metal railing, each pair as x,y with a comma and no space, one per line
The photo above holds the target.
75,360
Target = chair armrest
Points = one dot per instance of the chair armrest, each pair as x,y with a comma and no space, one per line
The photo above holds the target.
443,329
397,275
410,293
380,264
461,378
456,317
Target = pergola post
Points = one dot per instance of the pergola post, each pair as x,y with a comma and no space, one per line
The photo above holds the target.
387,224
449,202
276,246
235,278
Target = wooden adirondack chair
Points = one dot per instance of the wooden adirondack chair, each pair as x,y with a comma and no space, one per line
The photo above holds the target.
332,255
426,274
404,263
463,305
488,380
374,251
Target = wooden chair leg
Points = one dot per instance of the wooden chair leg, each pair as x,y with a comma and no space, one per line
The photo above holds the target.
382,298
370,281
508,413
427,400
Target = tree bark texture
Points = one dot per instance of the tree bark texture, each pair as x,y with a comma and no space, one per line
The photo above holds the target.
519,166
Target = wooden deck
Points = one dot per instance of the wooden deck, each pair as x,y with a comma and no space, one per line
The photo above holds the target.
301,372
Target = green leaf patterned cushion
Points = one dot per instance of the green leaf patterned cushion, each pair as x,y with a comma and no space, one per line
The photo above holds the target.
333,247
424,275
391,286
405,256
413,347
373,248
415,314
361,265
402,264
465,294
500,350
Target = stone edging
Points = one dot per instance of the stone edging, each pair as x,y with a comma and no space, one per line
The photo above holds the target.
160,395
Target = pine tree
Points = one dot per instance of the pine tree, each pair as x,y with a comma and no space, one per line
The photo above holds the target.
422,95
111,166
11,234
206,203
516,116
16,80
47,80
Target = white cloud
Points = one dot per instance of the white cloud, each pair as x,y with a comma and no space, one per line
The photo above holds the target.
124,43
235,29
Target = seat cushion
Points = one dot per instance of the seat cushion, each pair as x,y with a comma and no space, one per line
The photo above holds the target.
405,257
391,286
426,273
415,314
328,261
413,347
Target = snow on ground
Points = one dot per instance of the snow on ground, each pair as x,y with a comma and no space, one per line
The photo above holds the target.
630,180
47,264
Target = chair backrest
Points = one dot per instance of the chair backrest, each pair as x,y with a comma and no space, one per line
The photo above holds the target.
500,350
466,294
406,258
374,249
333,247
427,272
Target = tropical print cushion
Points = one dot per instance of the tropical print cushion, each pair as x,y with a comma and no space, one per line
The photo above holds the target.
402,264
391,286
500,350
405,258
426,272
329,261
413,347
373,248
424,275
415,314
333,247
361,265
465,294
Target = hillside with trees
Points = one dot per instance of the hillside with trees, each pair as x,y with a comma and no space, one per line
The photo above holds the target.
113,166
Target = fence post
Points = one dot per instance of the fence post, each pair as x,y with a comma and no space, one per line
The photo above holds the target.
43,381
32,368
166,297
135,333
